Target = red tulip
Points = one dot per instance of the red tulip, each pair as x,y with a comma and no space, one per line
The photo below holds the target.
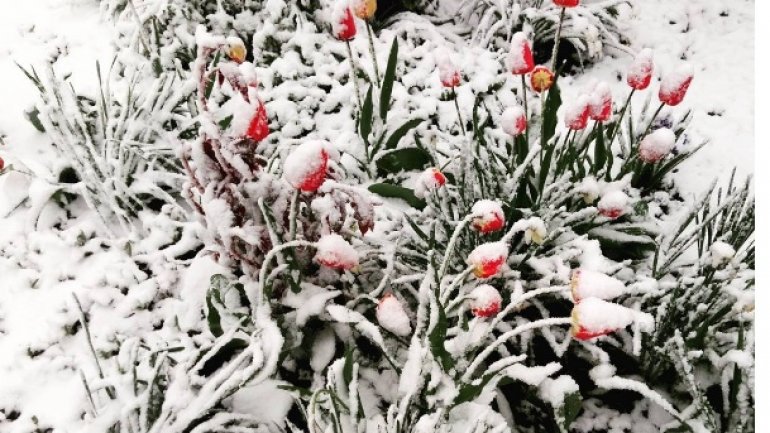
447,71
674,86
259,127
657,145
485,301
566,3
392,316
305,167
520,60
2,164
335,252
343,24
576,115
541,79
594,317
489,216
640,71
488,259
438,176
592,284
514,121
613,204
601,103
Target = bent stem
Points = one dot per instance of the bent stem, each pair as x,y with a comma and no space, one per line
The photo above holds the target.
353,76
620,119
373,54
266,263
558,38
457,107
451,245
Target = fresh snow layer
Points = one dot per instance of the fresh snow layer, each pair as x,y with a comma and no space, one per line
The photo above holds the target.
391,316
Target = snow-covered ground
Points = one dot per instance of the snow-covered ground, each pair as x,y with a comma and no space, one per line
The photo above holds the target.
716,37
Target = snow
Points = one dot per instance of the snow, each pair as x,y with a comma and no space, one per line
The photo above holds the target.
488,258
657,145
675,83
514,121
592,284
600,103
306,162
485,301
721,253
596,315
391,316
612,202
429,180
640,71
448,72
517,60
335,252
265,401
576,112
487,213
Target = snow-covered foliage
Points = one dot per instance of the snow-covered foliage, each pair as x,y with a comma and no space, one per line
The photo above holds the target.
343,250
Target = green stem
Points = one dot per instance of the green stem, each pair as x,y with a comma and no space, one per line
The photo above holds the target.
558,38
457,107
620,119
373,54
654,116
524,99
353,76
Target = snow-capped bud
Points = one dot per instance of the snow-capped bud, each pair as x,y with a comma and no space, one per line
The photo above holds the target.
305,167
657,145
429,180
536,231
520,60
592,284
566,3
589,189
392,316
236,50
488,216
541,79
640,72
721,253
335,252
600,105
514,121
576,114
674,86
485,301
364,9
447,71
594,317
488,259
343,24
259,126
2,163
613,204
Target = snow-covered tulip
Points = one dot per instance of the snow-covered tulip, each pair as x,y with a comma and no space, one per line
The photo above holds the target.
594,317
259,126
364,9
566,3
488,216
236,50
392,316
335,252
589,189
592,284
447,70
541,79
2,164
613,204
488,259
520,60
657,145
535,232
674,86
721,253
600,104
576,114
343,24
429,180
640,72
485,301
305,167
514,121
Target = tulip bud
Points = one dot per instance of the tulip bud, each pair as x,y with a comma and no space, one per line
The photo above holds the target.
364,9
600,105
591,284
488,259
305,167
589,189
343,24
520,60
674,86
594,317
489,216
542,79
514,121
392,316
236,50
335,252
657,145
576,115
485,301
566,3
640,72
429,180
447,71
259,126
536,232
2,164
613,204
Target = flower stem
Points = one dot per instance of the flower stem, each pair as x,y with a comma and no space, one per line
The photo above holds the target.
353,76
524,99
373,54
457,107
620,119
556,41
266,263
654,116
451,245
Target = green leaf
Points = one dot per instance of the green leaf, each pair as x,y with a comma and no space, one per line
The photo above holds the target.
365,126
600,150
347,368
394,191
33,116
437,338
399,133
552,104
569,411
387,83
410,158
213,300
